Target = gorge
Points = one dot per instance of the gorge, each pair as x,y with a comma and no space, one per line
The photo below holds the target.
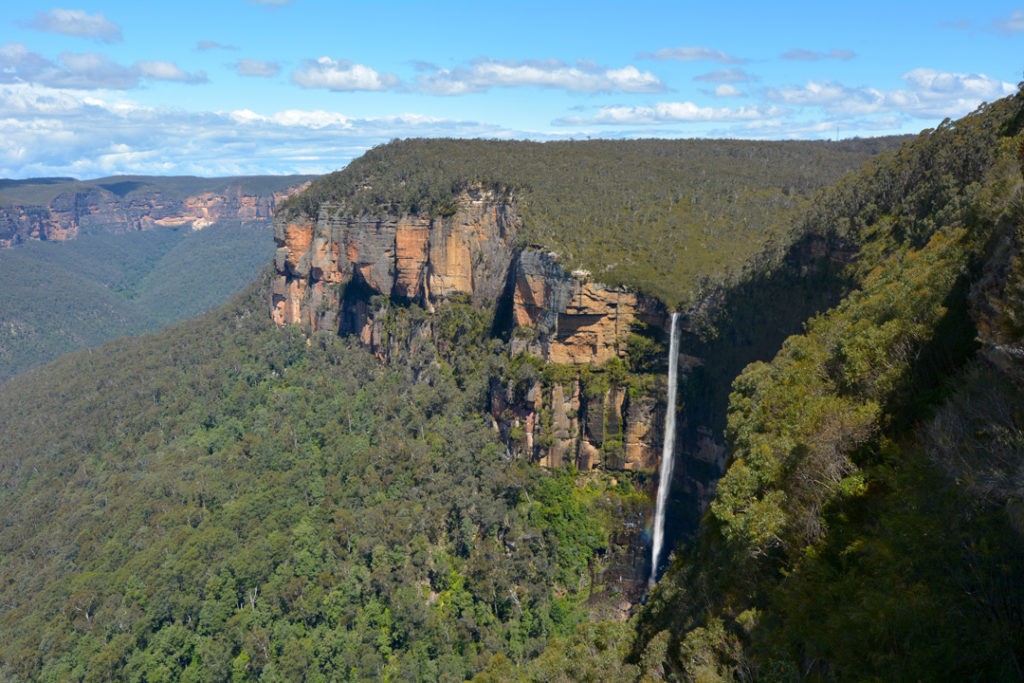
424,445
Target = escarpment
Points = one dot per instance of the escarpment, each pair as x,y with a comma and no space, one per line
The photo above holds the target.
61,209
338,273
328,268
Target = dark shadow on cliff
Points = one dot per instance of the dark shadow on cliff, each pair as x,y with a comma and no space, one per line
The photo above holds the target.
751,323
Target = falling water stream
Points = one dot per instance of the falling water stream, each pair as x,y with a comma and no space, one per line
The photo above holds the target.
667,452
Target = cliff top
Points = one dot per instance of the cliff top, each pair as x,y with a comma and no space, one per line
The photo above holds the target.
662,216
41,191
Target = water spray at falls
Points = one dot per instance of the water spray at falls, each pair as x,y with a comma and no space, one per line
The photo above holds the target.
667,451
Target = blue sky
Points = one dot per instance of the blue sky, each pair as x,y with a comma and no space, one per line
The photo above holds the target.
227,87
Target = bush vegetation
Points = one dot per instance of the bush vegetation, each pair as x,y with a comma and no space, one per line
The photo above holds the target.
838,546
671,218
227,500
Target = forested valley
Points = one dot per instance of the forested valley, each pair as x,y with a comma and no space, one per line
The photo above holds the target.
231,500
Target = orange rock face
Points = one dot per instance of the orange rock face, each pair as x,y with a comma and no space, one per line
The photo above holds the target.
297,238
331,272
594,325
412,257
411,245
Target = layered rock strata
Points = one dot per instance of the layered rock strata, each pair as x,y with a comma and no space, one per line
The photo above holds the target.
327,268
332,271
85,208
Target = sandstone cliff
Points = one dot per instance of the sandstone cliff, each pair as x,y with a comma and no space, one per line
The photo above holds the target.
335,272
328,268
57,211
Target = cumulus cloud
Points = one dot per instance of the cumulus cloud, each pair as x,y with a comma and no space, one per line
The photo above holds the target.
89,71
168,71
76,22
929,93
341,76
205,45
484,74
50,131
693,54
257,68
295,118
725,76
801,55
670,112
18,63
84,70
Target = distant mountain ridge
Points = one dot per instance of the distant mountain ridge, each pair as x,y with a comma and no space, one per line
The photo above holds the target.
59,209
127,258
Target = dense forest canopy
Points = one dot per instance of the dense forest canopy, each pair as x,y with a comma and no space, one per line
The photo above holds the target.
667,217
228,500
869,525
63,296
225,500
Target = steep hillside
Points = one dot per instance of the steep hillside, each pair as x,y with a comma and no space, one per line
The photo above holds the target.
869,524
227,501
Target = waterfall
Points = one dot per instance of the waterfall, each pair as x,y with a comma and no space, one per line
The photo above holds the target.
667,451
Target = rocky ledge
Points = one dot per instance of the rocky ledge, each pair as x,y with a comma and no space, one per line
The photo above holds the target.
331,268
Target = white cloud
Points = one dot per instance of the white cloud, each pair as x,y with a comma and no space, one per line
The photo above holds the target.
167,71
49,131
727,90
929,93
257,68
76,22
801,55
341,76
671,112
694,54
17,63
85,70
295,118
484,74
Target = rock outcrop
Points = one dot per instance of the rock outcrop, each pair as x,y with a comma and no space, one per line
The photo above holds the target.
121,206
334,272
577,321
328,269
585,421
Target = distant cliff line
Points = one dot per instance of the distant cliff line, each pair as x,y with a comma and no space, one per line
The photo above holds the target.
59,209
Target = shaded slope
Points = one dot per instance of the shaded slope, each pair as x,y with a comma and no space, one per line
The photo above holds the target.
834,547
225,500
